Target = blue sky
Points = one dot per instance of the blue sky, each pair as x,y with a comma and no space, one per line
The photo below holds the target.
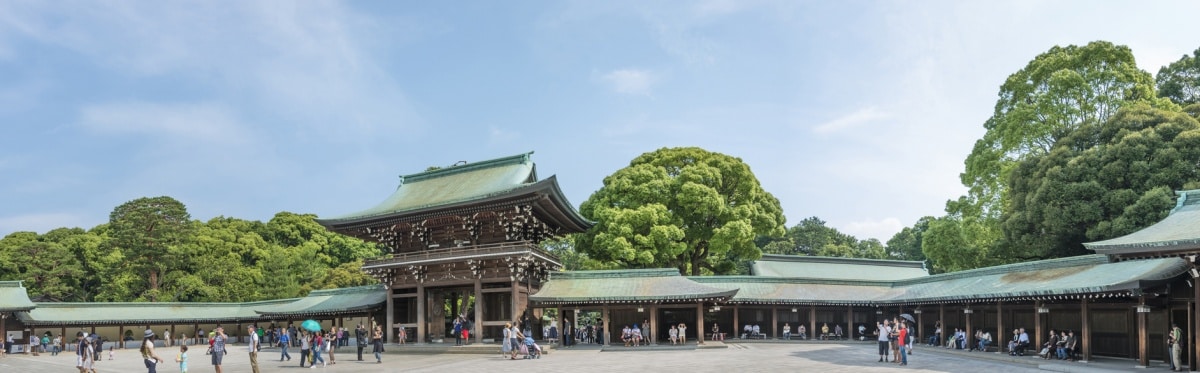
858,112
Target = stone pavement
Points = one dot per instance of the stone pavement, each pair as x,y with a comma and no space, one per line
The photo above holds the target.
737,357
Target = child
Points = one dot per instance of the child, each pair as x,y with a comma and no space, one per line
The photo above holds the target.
110,352
182,358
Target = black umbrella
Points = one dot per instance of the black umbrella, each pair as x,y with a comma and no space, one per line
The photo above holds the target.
908,317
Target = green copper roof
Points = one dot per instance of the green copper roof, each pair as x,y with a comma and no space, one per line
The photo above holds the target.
836,268
625,286
333,301
130,313
1088,274
1179,231
317,303
14,298
452,184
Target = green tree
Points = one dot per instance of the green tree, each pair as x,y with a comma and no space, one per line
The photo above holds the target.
1103,181
952,244
145,229
1059,91
906,244
564,249
1180,81
686,208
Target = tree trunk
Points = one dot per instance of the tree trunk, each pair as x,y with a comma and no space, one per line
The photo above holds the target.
153,285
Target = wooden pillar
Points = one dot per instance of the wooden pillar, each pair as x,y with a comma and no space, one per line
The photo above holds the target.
774,322
4,329
812,322
420,312
516,294
920,326
700,323
120,335
736,329
389,317
999,337
1192,326
173,334
196,332
604,325
652,333
479,312
967,311
1086,335
942,319
1037,325
1144,334
850,323
1194,320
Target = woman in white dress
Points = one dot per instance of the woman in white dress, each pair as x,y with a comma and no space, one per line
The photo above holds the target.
682,333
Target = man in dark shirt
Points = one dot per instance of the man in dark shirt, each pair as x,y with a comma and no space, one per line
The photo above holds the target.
360,338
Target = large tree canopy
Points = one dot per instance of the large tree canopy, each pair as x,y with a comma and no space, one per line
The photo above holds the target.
145,229
221,260
1180,81
1059,91
686,208
1102,181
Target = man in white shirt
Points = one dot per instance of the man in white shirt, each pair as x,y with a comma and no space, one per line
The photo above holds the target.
883,331
253,348
1022,343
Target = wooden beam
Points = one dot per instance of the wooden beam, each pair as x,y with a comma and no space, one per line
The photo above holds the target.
774,321
1086,335
700,323
479,311
1144,335
736,329
1037,325
812,321
942,319
850,323
420,313
969,332
1000,333
390,308
604,325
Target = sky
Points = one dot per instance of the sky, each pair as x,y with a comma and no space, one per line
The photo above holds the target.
860,113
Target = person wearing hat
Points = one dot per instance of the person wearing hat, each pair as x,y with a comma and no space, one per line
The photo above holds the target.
148,355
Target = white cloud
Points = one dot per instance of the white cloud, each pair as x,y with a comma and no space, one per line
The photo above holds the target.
630,81
205,122
882,229
863,115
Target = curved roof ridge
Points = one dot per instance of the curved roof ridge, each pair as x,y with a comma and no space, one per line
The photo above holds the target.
615,273
451,170
1072,261
833,259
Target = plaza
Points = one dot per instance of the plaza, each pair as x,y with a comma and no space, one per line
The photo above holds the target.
734,357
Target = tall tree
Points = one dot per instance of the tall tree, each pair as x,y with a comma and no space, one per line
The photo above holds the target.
1103,181
145,229
1059,91
906,244
687,208
1180,81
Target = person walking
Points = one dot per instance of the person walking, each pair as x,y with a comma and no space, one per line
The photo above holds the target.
284,341
377,342
882,331
360,339
305,347
218,348
254,341
902,340
1175,338
149,357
